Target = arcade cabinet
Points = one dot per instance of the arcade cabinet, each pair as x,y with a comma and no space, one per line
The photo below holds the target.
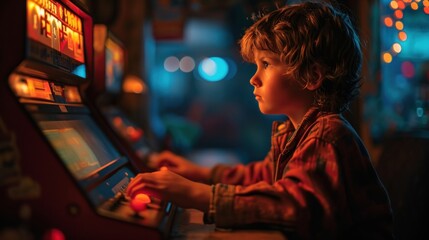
108,94
60,171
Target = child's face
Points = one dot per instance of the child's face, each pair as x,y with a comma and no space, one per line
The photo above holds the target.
275,92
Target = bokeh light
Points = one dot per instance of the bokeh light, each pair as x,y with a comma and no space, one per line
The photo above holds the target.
187,64
407,69
171,64
387,57
213,69
396,47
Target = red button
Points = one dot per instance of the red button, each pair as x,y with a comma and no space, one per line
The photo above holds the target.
139,202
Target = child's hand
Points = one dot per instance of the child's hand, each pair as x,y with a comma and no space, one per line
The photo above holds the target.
170,186
181,166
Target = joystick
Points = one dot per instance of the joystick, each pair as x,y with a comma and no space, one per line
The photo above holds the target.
139,202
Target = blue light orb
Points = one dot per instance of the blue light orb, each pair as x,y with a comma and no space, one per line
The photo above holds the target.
213,69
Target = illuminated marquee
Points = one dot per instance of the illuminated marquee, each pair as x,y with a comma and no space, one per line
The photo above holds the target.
56,27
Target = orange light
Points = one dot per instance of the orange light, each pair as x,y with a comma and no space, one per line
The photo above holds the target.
402,36
399,14
393,4
117,121
387,57
401,5
20,85
414,6
100,33
72,94
426,10
388,21
134,84
399,25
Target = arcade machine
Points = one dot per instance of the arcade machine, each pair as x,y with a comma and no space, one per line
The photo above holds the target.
107,92
60,172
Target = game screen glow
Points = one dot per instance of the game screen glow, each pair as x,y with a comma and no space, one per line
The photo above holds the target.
80,143
114,66
57,36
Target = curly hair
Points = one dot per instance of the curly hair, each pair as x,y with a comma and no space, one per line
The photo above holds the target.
307,36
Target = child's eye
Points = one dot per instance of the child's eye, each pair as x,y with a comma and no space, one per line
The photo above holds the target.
265,64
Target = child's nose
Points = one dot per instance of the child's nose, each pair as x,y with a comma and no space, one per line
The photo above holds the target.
254,81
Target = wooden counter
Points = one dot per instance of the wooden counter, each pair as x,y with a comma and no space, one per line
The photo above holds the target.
189,225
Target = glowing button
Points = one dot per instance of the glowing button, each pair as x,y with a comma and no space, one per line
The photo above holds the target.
54,234
139,202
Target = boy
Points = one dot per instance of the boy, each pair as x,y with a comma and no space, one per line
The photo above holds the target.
317,181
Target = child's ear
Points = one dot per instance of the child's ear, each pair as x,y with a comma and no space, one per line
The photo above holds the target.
317,80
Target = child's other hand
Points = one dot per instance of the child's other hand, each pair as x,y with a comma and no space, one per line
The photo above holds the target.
170,186
181,166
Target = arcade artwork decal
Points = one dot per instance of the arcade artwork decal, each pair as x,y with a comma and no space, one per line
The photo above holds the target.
57,35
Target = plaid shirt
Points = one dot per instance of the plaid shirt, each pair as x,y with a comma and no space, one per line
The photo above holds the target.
317,182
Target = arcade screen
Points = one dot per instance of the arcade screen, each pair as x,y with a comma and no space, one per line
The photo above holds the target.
83,148
55,36
398,99
114,65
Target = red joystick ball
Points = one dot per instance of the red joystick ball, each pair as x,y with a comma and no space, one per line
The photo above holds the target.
139,202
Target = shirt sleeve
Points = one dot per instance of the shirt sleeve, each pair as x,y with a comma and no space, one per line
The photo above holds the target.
244,174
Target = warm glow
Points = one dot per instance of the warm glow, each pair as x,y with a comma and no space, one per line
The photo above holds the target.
117,122
396,48
402,36
134,84
399,14
426,10
388,21
393,4
47,26
20,86
133,133
414,6
399,25
30,87
72,94
54,234
387,57
139,202
426,3
401,5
